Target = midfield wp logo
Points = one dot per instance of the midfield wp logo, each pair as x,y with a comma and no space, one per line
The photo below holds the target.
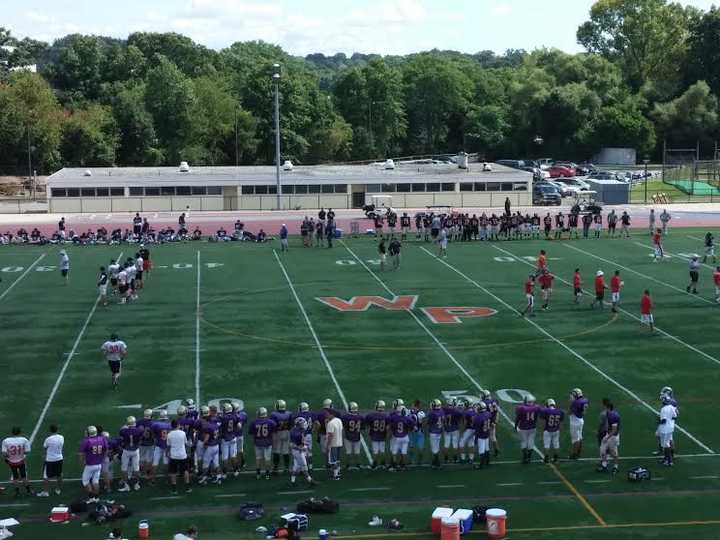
438,315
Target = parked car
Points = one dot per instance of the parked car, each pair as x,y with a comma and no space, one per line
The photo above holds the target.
603,175
561,171
583,169
512,163
562,188
544,193
566,187
582,185
538,173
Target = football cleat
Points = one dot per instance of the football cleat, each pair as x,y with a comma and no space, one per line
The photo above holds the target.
147,413
327,403
436,404
204,411
181,410
236,406
262,412
304,407
91,431
550,402
163,414
379,405
280,405
576,393
353,407
227,408
398,404
131,421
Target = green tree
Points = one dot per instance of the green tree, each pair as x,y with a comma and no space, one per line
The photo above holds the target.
192,59
689,118
704,50
648,38
89,138
138,143
170,99
622,124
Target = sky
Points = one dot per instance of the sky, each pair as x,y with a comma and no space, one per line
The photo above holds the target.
326,26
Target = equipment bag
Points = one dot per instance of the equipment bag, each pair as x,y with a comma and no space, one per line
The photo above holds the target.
638,474
318,506
251,511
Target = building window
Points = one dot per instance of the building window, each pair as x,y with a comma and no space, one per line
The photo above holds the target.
272,189
248,190
152,191
403,188
301,190
448,186
373,188
57,192
507,186
73,192
102,192
167,190
183,190
214,190
418,187
388,188
328,188
432,187
466,186
288,190
117,192
197,190
493,186
87,192
480,186
261,190
314,188
341,188
137,192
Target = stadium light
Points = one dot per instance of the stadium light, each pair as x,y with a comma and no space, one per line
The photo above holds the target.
276,82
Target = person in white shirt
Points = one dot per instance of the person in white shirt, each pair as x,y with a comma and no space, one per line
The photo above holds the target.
114,350
666,427
190,534
113,269
334,430
65,266
53,466
177,444
139,264
14,449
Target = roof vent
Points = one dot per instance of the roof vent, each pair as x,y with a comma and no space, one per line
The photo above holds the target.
184,167
389,165
462,160
287,165
87,172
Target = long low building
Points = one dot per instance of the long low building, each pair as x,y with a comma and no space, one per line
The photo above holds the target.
410,184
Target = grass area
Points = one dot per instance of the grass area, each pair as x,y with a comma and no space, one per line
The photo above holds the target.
702,193
254,344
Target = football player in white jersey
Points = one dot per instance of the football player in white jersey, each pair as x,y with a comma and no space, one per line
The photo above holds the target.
114,350
666,427
113,269
14,450
65,265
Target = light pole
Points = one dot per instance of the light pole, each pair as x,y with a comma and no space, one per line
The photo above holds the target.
276,81
645,162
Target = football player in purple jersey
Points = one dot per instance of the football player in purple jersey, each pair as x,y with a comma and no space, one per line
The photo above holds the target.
482,424
211,448
611,441
130,435
467,440
147,443
228,440
261,430
435,427
451,437
299,451
312,424
526,416
186,422
377,425
401,424
281,436
578,407
353,424
241,419
160,429
492,407
553,418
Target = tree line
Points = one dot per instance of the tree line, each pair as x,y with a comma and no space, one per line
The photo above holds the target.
650,73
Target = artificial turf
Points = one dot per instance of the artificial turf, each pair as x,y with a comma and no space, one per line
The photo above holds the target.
244,330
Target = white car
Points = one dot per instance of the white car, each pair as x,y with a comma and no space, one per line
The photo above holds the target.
582,185
568,188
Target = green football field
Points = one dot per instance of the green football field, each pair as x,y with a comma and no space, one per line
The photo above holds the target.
240,322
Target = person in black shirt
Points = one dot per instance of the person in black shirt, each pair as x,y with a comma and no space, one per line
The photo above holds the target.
392,222
382,252
559,225
319,232
573,224
625,225
330,214
394,250
404,225
330,230
137,223
586,221
321,214
378,227
547,222
418,226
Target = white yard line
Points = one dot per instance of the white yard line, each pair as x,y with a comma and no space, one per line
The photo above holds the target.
696,238
319,346
450,486
681,257
608,261
21,276
60,376
370,489
230,495
300,492
566,347
197,333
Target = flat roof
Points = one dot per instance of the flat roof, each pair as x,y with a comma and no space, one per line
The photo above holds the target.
404,172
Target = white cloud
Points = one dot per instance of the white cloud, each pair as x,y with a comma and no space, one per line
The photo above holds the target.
501,10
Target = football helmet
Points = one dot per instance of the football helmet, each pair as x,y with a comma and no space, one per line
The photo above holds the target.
481,406
599,273
529,399
304,407
131,421
204,411
404,411
550,402
190,404
576,393
666,391
301,423
105,434
280,405
213,409
353,407
147,413
163,414
398,404
92,431
666,399
436,404
485,394
327,403
379,405
227,407
262,412
450,402
182,410
236,406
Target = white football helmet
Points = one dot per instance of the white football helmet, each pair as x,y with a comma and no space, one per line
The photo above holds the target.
280,405
666,391
327,403
304,407
147,413
550,402
436,404
404,411
227,408
262,412
236,406
380,405
131,421
91,431
576,393
398,404
163,414
450,402
353,407
181,410
529,399
301,423
485,394
190,404
204,411
481,406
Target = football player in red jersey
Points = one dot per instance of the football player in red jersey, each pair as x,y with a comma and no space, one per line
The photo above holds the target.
530,295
